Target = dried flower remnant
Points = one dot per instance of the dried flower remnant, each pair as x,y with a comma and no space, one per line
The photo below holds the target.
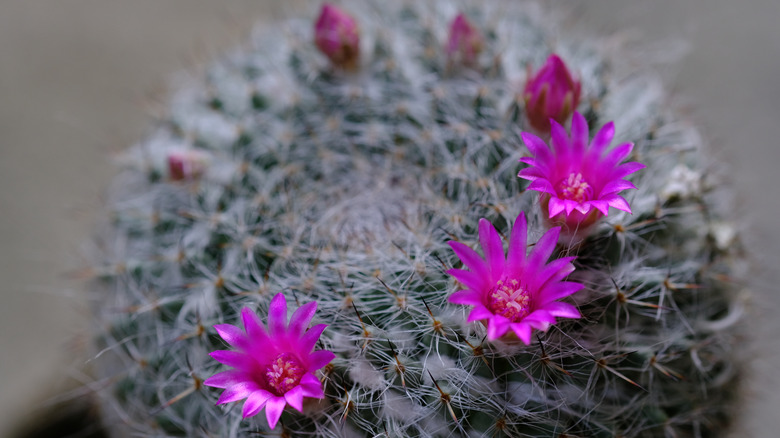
518,292
274,367
337,36
551,93
578,181
186,164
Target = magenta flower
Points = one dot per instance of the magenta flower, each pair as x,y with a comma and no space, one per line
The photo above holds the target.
336,35
518,292
552,93
578,182
272,368
465,41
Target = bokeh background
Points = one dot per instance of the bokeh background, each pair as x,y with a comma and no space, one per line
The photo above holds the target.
79,78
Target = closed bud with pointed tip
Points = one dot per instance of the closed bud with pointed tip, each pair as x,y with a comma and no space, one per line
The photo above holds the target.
465,41
550,93
336,35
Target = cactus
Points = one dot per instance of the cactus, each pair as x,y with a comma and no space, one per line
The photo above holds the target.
281,172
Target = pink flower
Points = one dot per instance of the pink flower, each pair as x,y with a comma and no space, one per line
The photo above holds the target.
578,182
518,292
186,164
272,368
465,41
336,35
551,93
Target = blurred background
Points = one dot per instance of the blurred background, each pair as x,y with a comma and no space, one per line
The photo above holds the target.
78,79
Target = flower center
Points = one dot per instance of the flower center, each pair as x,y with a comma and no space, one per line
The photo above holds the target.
575,188
284,373
510,300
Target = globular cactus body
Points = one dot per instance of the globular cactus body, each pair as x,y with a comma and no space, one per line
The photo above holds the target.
344,187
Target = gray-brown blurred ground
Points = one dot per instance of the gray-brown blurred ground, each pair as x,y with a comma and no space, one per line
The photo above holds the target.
76,78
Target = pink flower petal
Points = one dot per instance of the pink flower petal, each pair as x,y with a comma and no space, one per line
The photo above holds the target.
233,335
579,135
492,247
479,312
469,279
619,203
543,249
310,338
466,297
277,316
226,379
557,291
563,310
273,410
626,169
537,146
238,392
617,155
540,319
553,272
253,325
320,358
232,358
312,387
570,205
294,398
531,173
559,140
583,208
601,140
555,206
601,206
255,402
615,186
497,327
531,162
517,246
301,318
470,258
542,185
523,331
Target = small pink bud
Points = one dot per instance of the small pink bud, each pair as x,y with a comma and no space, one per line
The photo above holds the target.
336,35
186,164
551,93
465,41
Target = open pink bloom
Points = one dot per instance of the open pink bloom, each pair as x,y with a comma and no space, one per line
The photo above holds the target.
519,292
336,35
465,41
274,367
552,93
578,182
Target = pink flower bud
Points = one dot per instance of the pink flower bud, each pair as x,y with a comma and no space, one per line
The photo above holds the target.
336,35
186,164
551,93
465,41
